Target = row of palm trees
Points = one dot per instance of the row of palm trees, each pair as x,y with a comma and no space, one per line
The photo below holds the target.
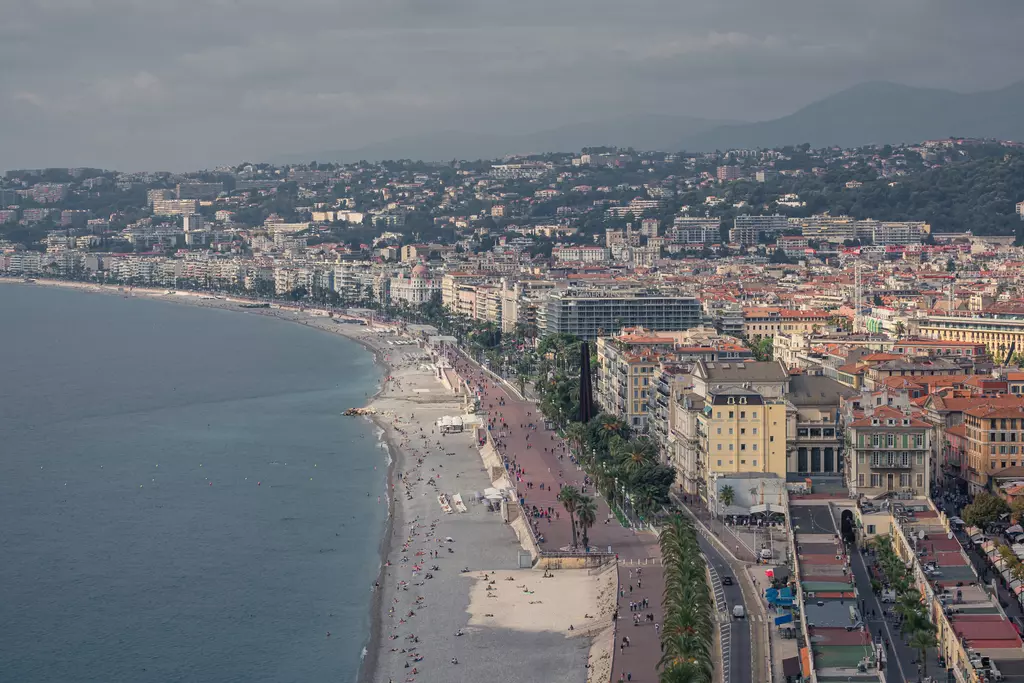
582,511
916,623
622,467
687,635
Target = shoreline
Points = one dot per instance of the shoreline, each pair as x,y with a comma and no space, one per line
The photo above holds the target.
407,402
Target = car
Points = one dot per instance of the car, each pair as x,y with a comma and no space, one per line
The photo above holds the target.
738,612
726,580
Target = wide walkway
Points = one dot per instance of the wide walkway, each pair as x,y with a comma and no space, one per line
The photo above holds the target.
541,466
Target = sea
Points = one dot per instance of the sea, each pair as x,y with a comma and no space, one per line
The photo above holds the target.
180,496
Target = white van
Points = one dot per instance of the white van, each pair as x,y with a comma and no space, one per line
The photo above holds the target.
738,612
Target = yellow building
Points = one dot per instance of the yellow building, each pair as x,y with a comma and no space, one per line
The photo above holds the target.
768,321
743,432
998,329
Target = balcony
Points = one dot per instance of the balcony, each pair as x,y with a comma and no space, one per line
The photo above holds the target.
894,465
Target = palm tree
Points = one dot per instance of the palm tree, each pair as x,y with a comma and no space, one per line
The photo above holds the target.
634,456
576,435
901,329
727,495
922,641
586,514
569,497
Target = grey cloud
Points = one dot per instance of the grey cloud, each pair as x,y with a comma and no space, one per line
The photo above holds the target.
192,83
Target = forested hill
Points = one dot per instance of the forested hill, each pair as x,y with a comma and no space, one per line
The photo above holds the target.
977,195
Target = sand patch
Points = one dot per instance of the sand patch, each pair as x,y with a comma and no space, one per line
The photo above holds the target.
583,599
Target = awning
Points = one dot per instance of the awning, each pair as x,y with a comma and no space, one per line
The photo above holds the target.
791,667
784,619
805,662
769,507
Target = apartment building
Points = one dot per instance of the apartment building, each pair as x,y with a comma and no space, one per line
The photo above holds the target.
589,314
726,173
175,207
747,229
582,254
995,441
889,453
694,231
743,431
997,328
761,322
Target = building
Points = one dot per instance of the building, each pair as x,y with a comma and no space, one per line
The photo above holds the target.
696,231
742,432
761,322
193,222
198,190
629,365
175,207
582,254
813,437
589,314
765,176
995,441
416,288
747,229
649,227
889,453
997,328
726,173
158,195
1020,210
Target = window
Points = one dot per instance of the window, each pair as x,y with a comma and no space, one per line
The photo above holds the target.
719,448
754,415
904,480
860,480
860,458
920,481
743,430
754,447
754,462
871,527
743,415
719,430
731,447
771,439
719,414
743,462
890,440
743,446
731,414
874,439
919,440
876,480
719,463
920,458
755,431
730,431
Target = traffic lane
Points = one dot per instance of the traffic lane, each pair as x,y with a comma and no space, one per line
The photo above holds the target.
740,661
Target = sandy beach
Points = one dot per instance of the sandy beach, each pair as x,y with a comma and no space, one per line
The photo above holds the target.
500,622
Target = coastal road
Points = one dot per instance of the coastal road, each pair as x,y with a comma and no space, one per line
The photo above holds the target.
544,459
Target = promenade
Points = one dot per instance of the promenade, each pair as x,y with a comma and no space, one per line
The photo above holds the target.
519,432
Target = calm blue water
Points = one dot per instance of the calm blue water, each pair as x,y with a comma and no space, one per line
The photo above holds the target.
180,499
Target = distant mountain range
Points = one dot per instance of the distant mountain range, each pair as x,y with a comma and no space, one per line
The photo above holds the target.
869,113
877,113
646,131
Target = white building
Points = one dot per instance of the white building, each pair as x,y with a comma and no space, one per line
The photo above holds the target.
416,288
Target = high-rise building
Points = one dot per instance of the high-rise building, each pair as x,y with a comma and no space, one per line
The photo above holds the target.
747,229
193,222
690,230
726,173
590,313
158,195
175,207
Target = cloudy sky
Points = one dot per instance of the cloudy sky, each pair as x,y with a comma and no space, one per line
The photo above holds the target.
185,84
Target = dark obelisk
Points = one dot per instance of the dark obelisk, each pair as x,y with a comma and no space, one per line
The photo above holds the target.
586,388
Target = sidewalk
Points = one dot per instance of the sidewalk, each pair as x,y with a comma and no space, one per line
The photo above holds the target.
545,467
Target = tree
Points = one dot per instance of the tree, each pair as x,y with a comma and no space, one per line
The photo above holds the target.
727,495
985,509
922,641
586,515
1017,509
901,329
569,497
